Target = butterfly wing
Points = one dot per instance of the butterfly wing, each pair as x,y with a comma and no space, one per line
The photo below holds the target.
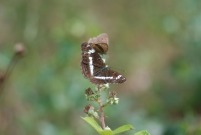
106,75
102,38
94,68
100,43
91,61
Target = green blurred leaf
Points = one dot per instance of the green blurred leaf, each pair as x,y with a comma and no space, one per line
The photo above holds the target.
123,129
106,132
94,124
143,132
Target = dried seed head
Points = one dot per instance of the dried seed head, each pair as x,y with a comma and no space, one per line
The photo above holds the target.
19,49
88,108
89,92
90,95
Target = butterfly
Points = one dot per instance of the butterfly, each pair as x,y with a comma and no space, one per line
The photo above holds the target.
93,66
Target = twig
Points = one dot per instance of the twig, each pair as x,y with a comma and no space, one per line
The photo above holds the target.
8,72
19,51
102,115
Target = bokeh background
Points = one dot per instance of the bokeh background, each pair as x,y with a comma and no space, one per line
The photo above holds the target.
155,44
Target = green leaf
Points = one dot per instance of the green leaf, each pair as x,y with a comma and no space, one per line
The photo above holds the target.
143,132
122,129
94,124
107,132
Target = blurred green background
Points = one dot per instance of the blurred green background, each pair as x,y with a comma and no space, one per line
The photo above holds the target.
155,44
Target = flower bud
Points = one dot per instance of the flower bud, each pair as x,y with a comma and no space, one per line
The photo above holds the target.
113,98
112,94
19,49
90,96
88,109
107,128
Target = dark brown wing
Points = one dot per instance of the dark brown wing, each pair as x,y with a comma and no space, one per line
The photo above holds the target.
91,60
94,68
106,75
101,48
100,43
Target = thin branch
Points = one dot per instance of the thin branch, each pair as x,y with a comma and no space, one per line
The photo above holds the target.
8,72
19,52
102,114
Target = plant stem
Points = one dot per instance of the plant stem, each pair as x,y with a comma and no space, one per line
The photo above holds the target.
8,71
102,115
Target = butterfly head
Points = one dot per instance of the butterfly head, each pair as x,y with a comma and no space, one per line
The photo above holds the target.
86,47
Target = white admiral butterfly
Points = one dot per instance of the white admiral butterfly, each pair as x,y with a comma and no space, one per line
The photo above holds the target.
93,67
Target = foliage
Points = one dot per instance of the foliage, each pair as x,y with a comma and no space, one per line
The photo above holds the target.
94,124
124,128
155,43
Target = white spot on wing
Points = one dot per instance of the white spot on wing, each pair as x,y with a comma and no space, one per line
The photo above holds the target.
103,77
119,76
103,60
91,51
91,67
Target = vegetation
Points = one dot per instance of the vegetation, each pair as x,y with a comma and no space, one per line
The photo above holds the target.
156,44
